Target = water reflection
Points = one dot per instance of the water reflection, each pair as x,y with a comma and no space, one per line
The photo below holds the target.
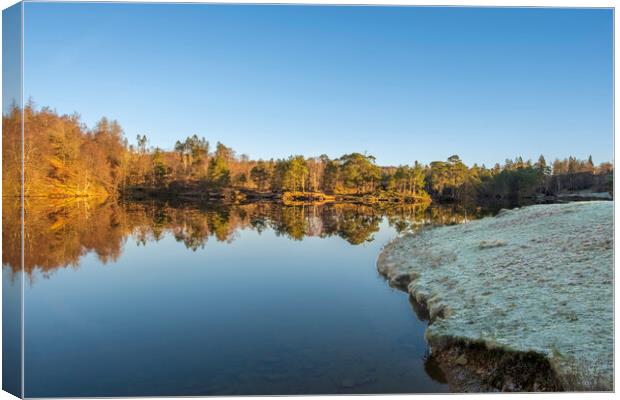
58,233
206,299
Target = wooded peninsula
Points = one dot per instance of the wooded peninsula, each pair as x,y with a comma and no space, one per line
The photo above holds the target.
64,158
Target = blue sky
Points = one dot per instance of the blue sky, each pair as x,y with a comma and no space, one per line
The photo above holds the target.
403,83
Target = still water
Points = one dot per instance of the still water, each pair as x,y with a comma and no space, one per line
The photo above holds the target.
160,299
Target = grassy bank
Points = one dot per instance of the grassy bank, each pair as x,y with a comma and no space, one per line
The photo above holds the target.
536,280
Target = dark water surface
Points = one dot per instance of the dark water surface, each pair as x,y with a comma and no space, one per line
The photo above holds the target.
153,299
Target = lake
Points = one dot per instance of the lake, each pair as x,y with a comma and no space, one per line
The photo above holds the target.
145,299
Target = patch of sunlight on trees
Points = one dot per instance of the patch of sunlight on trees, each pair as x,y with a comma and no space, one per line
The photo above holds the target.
63,157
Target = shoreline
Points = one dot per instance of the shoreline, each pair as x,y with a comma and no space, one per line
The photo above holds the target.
471,366
482,342
242,196
286,197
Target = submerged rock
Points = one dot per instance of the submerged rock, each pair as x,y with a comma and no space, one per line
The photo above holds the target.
536,280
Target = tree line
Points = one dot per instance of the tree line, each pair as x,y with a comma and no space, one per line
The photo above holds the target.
63,157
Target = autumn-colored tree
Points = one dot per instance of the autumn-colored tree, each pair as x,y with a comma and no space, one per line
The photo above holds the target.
12,152
62,157
161,171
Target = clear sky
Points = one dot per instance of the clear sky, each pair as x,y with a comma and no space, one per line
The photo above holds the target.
402,83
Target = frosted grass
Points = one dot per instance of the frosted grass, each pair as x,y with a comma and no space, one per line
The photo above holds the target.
539,278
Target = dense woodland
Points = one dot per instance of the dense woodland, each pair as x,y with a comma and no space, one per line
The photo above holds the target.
63,157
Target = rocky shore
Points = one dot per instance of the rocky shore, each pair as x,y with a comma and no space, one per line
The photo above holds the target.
521,301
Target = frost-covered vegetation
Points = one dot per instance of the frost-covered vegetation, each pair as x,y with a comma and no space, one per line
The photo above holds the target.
536,279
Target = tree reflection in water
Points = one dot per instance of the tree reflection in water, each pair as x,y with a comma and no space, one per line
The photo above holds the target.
58,233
